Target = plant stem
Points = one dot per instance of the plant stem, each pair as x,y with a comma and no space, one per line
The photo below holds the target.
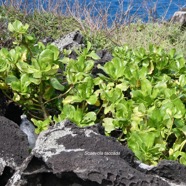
61,95
99,110
42,104
7,95
84,105
34,116
45,115
121,136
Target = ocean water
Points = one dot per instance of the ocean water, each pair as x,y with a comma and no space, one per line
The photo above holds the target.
158,9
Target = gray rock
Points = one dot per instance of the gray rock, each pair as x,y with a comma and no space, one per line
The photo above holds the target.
171,170
68,155
13,148
69,41
179,17
105,56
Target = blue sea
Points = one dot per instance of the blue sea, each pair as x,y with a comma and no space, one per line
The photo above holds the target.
137,8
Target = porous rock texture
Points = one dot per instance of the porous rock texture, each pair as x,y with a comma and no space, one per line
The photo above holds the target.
66,155
171,170
105,56
75,40
180,17
69,41
13,148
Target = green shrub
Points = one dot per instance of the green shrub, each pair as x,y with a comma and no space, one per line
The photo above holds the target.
152,115
142,92
30,71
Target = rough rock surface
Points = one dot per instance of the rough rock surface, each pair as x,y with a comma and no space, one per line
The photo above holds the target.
2,104
13,148
75,40
69,41
13,112
70,156
180,17
9,109
171,170
105,56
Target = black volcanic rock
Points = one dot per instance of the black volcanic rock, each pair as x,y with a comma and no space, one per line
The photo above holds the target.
72,156
105,56
171,170
2,104
13,148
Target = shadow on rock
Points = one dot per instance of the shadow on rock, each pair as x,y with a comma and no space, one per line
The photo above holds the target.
71,156
13,148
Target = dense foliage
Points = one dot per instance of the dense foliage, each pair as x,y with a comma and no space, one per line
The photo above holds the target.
140,92
145,94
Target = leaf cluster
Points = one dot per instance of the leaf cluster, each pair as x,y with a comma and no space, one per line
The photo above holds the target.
30,71
39,80
143,93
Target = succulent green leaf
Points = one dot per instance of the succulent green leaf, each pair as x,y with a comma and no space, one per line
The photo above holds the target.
11,78
182,80
24,67
46,58
11,27
89,64
41,125
18,27
108,125
71,99
88,46
55,50
92,100
93,55
56,84
3,65
88,119
115,68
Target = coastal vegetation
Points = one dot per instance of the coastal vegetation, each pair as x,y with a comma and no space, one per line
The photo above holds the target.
140,93
101,30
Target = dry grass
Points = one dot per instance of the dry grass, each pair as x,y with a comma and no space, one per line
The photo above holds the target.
166,35
94,21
